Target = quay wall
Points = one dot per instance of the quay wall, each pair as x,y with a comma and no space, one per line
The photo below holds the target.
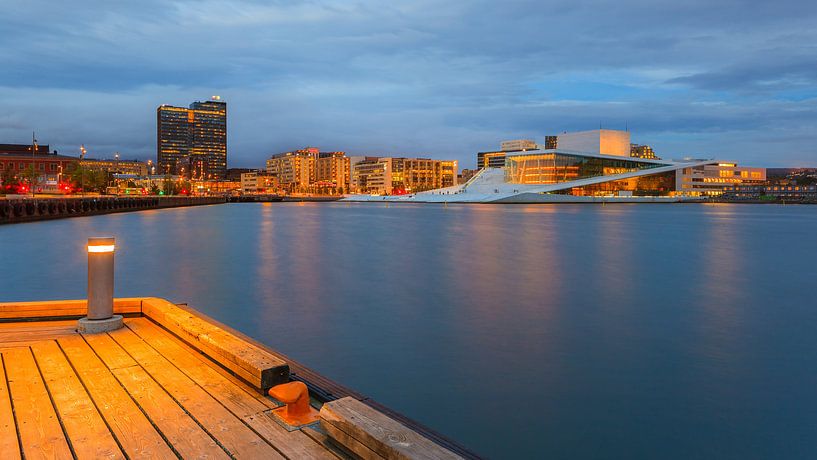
33,209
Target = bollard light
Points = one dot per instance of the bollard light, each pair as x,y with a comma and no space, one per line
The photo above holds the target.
100,287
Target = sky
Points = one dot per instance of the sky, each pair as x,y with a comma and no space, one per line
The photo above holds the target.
726,79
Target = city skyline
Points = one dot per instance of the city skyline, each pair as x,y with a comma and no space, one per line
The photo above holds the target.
417,79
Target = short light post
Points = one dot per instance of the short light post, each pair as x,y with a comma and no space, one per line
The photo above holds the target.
100,288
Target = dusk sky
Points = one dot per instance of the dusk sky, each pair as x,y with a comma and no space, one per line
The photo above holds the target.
734,80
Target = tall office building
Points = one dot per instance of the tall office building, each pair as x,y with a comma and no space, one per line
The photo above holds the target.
193,141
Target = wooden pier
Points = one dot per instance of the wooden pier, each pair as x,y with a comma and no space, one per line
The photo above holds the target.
173,384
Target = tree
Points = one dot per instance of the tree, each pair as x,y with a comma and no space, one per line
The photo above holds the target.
168,186
32,176
154,189
8,180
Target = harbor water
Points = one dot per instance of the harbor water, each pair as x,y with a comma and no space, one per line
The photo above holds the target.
540,331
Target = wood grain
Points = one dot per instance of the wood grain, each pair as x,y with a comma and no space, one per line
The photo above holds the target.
40,432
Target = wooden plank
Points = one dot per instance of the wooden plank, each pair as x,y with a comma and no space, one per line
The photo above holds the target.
181,431
9,443
323,439
257,366
348,442
62,308
87,432
383,435
293,444
109,351
33,332
234,398
40,432
135,433
201,357
230,432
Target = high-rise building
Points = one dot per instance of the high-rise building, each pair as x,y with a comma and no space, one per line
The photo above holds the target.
193,141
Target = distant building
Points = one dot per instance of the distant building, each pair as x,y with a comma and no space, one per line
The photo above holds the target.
234,174
17,158
193,141
254,182
294,169
134,167
492,159
332,170
519,144
713,179
759,192
599,141
399,175
466,174
551,142
642,151
373,175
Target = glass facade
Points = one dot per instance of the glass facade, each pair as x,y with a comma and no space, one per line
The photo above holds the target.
555,167
651,185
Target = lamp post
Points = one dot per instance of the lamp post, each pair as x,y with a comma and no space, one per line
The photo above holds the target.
100,288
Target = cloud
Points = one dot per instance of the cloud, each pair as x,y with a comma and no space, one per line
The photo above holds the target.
442,79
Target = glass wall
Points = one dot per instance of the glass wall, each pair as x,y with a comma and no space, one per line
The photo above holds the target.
653,185
554,167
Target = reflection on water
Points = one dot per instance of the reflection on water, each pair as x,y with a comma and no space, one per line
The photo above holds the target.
523,331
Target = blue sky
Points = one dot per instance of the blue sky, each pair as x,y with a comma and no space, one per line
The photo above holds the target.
734,80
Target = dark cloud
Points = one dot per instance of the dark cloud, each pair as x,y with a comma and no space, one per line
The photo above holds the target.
428,77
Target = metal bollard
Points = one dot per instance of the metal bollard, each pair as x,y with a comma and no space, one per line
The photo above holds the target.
100,288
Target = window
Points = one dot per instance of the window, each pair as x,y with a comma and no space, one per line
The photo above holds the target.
21,166
53,166
42,166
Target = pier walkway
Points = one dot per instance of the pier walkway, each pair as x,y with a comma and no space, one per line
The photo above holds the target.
170,384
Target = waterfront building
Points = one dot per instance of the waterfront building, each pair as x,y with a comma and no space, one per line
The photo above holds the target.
551,142
15,159
332,170
760,192
193,141
449,171
255,182
294,170
558,175
642,151
115,166
400,175
373,175
714,178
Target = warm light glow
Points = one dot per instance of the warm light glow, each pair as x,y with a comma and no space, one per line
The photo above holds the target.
102,248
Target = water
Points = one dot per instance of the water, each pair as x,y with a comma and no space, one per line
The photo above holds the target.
625,331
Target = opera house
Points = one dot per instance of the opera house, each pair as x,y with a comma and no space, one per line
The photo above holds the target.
588,166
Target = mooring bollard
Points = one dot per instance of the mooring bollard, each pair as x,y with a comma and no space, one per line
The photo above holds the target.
100,288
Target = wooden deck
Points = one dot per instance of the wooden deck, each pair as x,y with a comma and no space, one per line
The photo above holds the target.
163,387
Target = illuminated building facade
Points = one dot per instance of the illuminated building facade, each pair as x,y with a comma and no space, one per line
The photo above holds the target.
373,175
254,182
518,144
399,175
294,169
16,159
332,170
193,141
712,179
642,151
136,168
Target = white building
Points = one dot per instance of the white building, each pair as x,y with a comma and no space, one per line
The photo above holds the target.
600,141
